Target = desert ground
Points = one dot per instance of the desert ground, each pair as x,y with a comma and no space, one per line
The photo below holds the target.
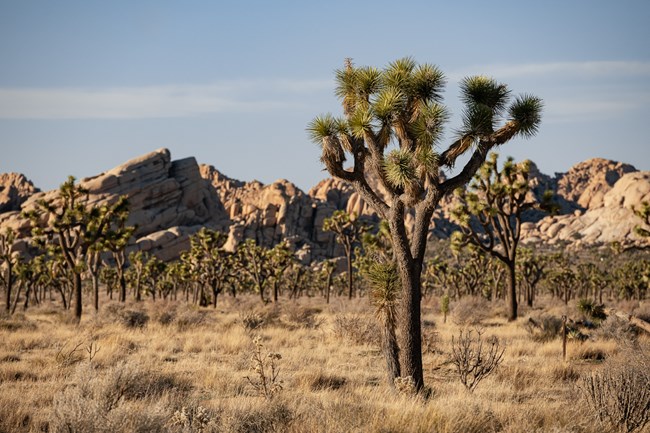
172,366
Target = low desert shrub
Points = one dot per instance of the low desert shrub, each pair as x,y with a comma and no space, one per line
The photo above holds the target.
321,381
303,317
617,329
475,357
619,397
470,311
134,319
276,417
123,398
544,328
357,328
265,378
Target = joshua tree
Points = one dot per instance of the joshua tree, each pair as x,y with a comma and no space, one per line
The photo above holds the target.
532,269
489,215
400,106
211,261
116,241
264,267
136,272
8,259
154,269
76,226
348,230
280,259
327,269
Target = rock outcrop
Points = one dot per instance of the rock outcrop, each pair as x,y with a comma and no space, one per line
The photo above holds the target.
271,213
15,188
610,217
586,183
171,200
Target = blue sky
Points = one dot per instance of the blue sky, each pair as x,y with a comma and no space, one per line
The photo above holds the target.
86,85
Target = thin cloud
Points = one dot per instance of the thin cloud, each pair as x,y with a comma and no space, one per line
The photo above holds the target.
594,107
156,101
572,69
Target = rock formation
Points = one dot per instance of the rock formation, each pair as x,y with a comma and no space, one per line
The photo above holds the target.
15,188
170,200
609,217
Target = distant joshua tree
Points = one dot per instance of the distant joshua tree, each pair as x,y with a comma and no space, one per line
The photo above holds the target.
490,214
392,121
76,226
9,260
348,230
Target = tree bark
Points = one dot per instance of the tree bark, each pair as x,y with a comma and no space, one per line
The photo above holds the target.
77,296
512,292
391,353
96,291
122,287
348,256
411,333
9,283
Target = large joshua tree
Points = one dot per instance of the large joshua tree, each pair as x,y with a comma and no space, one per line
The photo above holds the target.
392,123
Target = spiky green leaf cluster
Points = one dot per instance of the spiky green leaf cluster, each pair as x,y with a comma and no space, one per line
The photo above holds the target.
526,112
399,167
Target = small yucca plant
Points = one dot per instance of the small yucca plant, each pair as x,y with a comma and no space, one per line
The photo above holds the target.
384,282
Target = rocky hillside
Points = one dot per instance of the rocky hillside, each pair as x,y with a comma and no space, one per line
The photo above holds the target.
170,200
15,188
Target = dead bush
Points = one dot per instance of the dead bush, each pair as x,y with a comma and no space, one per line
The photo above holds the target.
470,311
303,317
134,319
322,381
356,328
619,397
123,398
617,329
544,328
274,417
475,357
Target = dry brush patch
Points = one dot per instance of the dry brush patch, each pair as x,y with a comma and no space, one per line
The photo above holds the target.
185,370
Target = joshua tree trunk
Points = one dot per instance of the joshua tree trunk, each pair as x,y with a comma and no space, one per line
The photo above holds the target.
122,287
411,335
10,282
348,257
77,297
215,293
96,291
409,267
328,286
512,292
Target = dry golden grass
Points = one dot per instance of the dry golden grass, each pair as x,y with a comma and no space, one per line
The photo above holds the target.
185,368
